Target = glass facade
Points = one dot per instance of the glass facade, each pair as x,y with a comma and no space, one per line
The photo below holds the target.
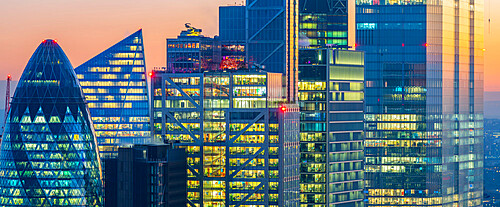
323,22
232,37
49,153
331,97
192,52
242,144
424,103
232,23
115,87
272,31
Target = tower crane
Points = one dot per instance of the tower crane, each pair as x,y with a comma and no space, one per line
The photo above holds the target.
7,104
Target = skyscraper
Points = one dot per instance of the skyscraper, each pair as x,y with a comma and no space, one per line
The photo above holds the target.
232,35
114,84
242,140
424,101
324,22
49,153
272,39
331,127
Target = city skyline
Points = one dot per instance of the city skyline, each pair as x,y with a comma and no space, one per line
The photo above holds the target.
86,28
265,103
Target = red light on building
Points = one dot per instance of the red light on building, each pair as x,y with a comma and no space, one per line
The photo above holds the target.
403,44
283,108
9,76
355,44
426,44
150,74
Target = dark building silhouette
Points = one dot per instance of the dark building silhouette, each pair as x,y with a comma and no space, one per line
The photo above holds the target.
147,175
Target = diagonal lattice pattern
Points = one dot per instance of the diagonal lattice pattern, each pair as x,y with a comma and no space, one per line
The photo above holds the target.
49,153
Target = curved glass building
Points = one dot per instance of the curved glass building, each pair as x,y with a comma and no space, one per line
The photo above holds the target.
114,84
49,153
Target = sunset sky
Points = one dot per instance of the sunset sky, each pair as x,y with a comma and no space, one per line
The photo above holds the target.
85,28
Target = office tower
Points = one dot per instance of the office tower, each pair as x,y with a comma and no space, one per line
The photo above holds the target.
272,39
424,101
232,36
114,84
324,22
147,175
191,52
49,153
242,141
331,127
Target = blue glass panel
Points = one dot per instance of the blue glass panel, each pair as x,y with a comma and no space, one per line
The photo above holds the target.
49,153
114,84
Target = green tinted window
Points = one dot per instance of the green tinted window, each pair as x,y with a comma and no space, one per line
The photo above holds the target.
346,73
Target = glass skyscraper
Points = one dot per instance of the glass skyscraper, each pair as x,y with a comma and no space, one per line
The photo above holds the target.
323,22
424,101
114,84
272,39
242,141
331,127
49,153
232,35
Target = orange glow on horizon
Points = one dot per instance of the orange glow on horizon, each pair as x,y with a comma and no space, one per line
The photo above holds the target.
94,26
